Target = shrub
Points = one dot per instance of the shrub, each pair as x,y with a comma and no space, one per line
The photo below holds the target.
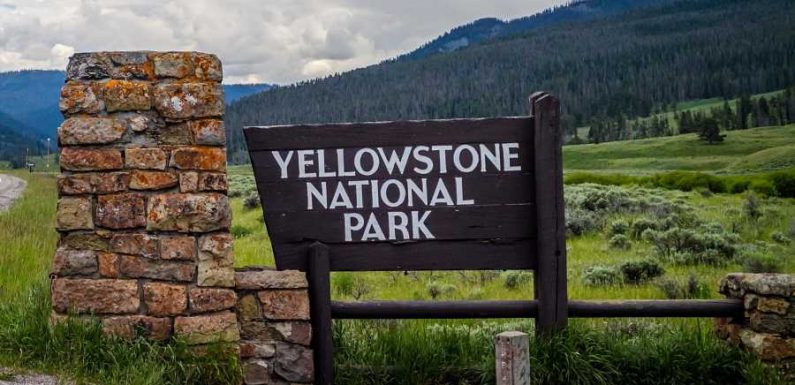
708,243
600,275
251,202
763,187
690,289
761,263
752,208
343,283
784,182
436,289
239,231
642,271
579,222
688,181
779,237
619,241
513,279
704,192
619,227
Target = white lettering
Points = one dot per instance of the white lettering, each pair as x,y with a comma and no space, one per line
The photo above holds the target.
372,230
493,157
459,193
418,225
350,227
341,164
393,160
395,225
321,165
441,195
341,198
442,157
303,162
357,161
282,161
508,155
401,190
457,158
321,196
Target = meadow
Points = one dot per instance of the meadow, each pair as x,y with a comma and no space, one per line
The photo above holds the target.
626,241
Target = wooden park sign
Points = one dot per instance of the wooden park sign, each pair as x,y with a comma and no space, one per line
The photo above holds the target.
458,194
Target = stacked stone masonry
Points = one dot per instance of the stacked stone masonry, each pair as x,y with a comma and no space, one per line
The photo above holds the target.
273,312
143,214
768,325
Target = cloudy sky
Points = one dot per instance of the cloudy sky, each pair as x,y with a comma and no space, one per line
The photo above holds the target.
277,41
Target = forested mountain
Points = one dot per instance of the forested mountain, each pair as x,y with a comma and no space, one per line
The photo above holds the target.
622,64
491,28
29,108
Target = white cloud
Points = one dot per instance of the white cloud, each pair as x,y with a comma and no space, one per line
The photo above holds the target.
279,41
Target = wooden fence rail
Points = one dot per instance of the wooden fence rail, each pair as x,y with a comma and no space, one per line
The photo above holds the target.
529,309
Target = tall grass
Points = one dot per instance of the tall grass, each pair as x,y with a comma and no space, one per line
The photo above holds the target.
589,352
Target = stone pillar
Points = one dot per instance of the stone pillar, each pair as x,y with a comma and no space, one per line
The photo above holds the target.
273,311
143,214
768,326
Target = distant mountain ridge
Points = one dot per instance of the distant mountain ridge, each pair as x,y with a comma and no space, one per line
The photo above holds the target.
492,28
29,106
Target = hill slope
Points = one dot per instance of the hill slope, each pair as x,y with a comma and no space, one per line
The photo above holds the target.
626,64
491,28
744,151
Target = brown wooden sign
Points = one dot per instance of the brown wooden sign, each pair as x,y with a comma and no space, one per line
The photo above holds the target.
414,195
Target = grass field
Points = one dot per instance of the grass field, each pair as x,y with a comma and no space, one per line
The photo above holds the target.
743,152
431,352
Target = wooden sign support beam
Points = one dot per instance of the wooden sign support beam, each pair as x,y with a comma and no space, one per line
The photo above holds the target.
550,273
318,276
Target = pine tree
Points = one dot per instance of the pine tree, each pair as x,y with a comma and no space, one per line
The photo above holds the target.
710,132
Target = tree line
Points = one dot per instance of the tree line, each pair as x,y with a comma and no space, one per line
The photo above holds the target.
626,64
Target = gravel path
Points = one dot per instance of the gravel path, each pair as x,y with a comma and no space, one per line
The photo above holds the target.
10,189
9,378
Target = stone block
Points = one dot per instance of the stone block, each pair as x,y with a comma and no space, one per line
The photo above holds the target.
204,300
138,267
130,326
199,158
152,180
163,299
216,260
270,279
257,349
771,323
100,296
188,212
213,181
173,64
140,244
248,308
188,181
204,329
178,248
90,130
83,159
85,241
773,305
768,347
93,183
121,211
189,100
88,66
79,98
175,134
208,132
108,265
74,213
296,332
145,158
74,262
126,95
207,67
294,363
258,372
284,304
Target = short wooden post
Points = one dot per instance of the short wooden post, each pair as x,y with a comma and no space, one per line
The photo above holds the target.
318,274
513,358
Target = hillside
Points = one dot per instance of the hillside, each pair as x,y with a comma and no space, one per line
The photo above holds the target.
14,144
486,29
624,64
743,152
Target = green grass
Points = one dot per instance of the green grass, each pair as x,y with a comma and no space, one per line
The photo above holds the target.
743,151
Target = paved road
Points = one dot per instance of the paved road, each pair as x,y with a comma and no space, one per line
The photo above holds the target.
10,189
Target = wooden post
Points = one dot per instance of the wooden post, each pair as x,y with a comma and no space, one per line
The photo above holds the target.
550,273
318,274
513,360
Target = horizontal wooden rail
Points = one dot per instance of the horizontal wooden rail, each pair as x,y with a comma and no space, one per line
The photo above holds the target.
529,309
